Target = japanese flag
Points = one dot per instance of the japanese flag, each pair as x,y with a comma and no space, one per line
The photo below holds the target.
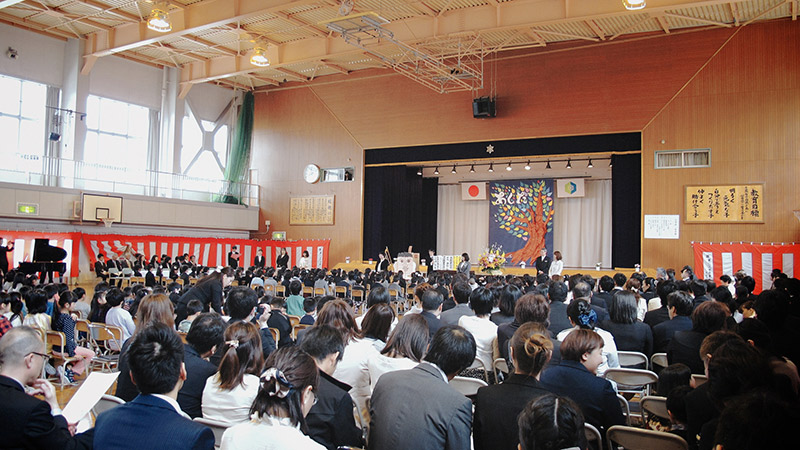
473,191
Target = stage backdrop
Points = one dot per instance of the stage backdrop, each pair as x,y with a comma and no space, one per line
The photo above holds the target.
521,218
714,259
24,241
209,252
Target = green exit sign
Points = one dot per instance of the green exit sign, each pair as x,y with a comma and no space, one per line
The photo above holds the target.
28,209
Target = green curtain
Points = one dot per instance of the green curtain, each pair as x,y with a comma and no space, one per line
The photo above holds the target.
235,190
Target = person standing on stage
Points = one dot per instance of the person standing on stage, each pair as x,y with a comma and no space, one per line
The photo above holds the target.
259,259
383,263
543,262
233,257
283,260
4,249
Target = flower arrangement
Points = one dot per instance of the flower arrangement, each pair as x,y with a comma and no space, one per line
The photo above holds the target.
492,259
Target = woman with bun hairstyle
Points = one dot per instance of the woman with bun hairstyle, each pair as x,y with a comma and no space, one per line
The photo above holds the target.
576,377
498,404
286,393
582,316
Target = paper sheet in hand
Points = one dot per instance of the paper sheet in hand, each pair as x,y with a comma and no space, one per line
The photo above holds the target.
90,392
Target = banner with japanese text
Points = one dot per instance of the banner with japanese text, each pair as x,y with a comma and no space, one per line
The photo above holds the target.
521,214
731,203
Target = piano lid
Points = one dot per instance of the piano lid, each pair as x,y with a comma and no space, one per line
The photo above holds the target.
44,252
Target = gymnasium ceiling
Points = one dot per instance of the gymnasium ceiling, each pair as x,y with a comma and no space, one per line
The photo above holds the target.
212,40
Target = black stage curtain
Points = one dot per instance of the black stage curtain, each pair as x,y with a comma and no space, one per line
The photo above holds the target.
626,194
399,210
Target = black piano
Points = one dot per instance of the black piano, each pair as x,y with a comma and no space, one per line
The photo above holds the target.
46,260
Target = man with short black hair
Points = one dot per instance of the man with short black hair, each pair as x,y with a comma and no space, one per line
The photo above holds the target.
153,419
661,314
294,302
241,306
417,408
100,267
699,289
330,421
679,305
461,293
431,309
559,320
205,335
25,421
603,297
619,281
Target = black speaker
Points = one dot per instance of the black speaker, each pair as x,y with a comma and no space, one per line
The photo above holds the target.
483,108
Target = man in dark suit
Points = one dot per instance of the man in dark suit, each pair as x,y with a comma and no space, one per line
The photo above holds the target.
680,310
699,290
242,306
603,298
559,320
150,277
330,421
382,264
417,408
542,263
153,419
233,257
204,336
25,421
431,309
461,292
661,314
529,308
100,267
259,261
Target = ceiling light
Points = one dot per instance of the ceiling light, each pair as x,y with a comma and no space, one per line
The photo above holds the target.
419,171
569,164
436,172
472,169
548,165
633,5
590,164
611,162
454,169
509,167
259,57
528,166
491,167
158,20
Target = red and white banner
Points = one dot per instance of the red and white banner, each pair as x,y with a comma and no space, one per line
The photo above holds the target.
209,252
23,247
712,260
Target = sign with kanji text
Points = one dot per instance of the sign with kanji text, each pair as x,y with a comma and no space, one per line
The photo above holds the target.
312,210
727,203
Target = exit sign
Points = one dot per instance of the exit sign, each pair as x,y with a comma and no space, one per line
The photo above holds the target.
28,209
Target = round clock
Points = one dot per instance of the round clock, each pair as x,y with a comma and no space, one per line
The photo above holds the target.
311,173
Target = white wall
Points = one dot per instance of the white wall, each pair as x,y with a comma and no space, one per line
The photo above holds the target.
40,59
126,81
209,100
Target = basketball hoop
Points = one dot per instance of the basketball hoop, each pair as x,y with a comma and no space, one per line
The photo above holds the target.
107,221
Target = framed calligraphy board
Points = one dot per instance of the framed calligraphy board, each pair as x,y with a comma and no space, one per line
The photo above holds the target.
311,210
743,203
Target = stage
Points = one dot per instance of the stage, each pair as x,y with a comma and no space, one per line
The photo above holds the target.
516,271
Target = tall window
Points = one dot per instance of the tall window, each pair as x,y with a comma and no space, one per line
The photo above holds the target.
117,140
22,124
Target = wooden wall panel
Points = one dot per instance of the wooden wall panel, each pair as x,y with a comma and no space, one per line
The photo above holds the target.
745,106
291,130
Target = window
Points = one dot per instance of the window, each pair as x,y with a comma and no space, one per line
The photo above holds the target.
117,140
204,150
22,124
683,159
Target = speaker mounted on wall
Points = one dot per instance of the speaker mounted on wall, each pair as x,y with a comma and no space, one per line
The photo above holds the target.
484,108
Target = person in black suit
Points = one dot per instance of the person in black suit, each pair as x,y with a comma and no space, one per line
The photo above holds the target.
680,307
25,421
208,290
282,261
277,319
100,267
661,314
150,277
559,320
259,261
155,357
699,290
330,421
603,298
542,263
530,308
684,347
4,249
497,406
242,306
432,302
233,257
204,336
382,264
629,334
575,377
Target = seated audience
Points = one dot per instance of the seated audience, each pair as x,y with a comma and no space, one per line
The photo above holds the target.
404,350
27,422
629,334
294,302
679,308
153,419
497,404
193,309
708,317
37,311
506,303
757,420
310,308
661,312
242,306
582,316
65,323
576,378
551,422
205,335
483,330
330,421
602,298
285,396
81,303
431,309
461,292
433,414
559,319
228,394
117,315
99,307
529,308
676,408
278,320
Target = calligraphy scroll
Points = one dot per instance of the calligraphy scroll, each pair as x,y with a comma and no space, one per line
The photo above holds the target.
311,210
727,203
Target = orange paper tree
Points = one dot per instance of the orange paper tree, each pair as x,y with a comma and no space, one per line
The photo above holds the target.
525,212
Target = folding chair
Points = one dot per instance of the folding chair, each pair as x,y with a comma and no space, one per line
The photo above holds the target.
394,294
300,326
478,364
127,274
83,333
114,276
308,291
636,381
632,360
269,289
216,426
320,292
341,291
111,337
467,386
658,361
294,320
57,338
105,403
626,408
280,290
655,406
276,334
699,379
499,365
357,295
593,436
631,438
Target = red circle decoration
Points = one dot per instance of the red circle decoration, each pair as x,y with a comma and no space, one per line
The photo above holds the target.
473,191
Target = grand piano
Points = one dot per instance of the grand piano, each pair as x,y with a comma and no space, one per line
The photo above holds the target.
46,260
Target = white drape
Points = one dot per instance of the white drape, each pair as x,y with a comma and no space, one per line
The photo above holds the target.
582,226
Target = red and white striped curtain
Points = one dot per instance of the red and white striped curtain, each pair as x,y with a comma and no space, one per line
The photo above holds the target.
209,252
23,247
712,260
